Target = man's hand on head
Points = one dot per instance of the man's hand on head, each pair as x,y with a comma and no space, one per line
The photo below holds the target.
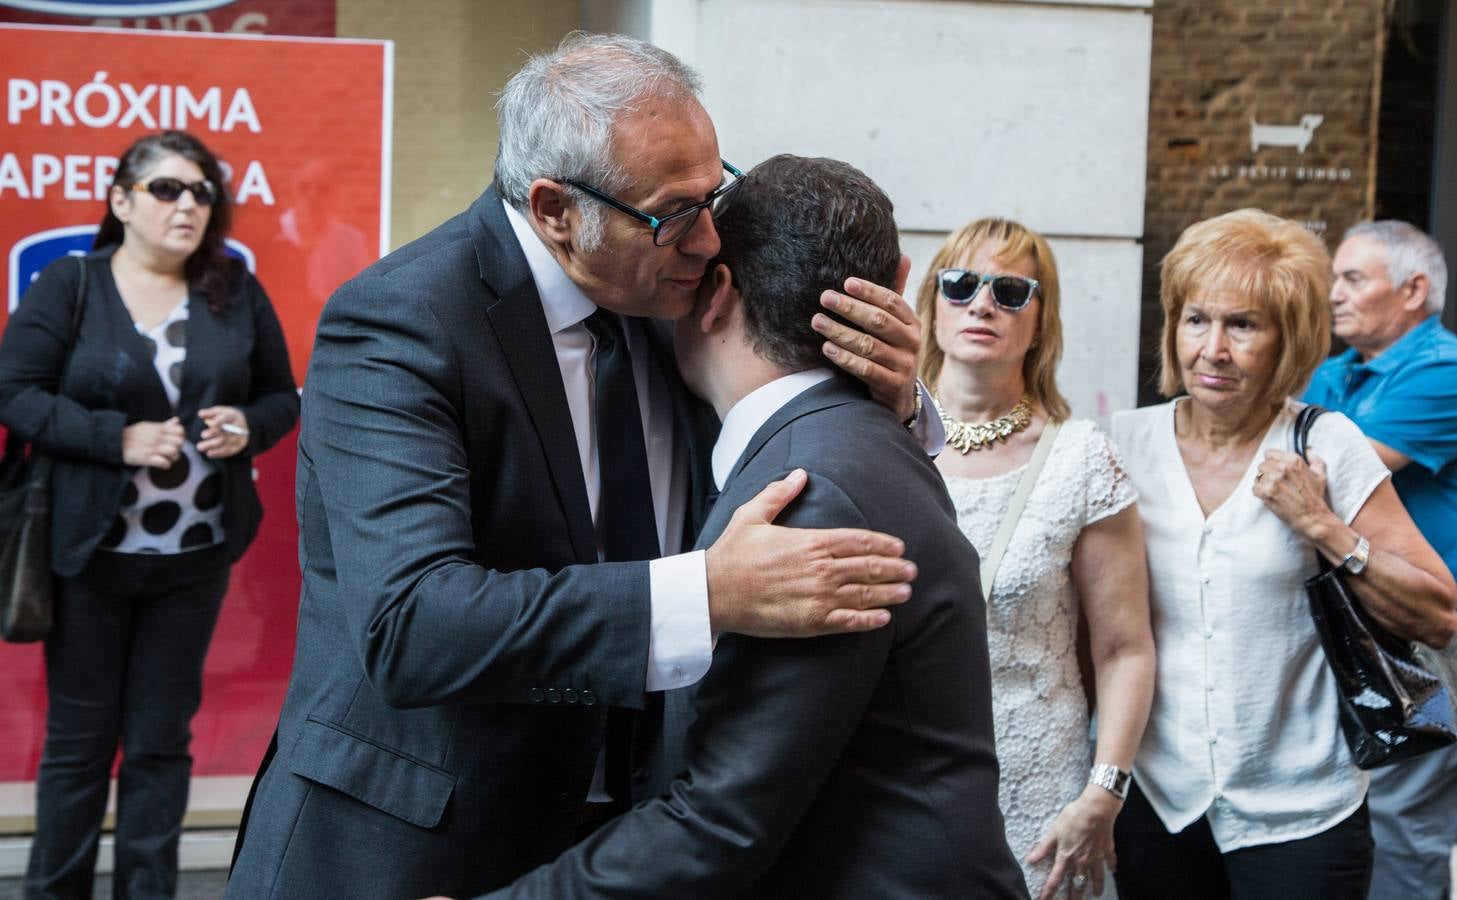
770,581
883,354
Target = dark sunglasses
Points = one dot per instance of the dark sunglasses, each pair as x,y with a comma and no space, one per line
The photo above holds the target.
169,189
960,287
671,228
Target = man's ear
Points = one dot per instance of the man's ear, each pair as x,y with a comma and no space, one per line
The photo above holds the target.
547,204
719,301
1414,292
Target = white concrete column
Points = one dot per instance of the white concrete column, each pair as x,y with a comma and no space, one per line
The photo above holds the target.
959,109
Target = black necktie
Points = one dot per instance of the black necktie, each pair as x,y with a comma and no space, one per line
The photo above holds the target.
625,523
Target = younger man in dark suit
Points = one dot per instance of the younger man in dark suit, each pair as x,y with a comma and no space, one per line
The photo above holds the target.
857,765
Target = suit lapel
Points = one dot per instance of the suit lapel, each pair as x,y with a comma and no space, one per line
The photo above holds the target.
525,339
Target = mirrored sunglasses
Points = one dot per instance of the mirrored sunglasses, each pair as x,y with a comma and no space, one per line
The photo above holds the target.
1011,292
169,189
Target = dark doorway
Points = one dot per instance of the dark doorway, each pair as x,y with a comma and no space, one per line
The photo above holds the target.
1416,163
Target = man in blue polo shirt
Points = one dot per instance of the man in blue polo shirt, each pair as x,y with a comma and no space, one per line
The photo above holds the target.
1398,381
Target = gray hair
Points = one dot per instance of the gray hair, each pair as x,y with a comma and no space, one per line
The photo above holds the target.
558,112
1409,252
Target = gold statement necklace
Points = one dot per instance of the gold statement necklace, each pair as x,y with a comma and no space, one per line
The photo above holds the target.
969,436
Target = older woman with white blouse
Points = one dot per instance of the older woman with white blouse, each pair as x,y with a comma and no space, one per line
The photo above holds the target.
1243,784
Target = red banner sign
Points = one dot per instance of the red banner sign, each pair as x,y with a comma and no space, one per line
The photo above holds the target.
303,127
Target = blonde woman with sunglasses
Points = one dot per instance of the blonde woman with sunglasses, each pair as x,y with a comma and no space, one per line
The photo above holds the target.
1074,549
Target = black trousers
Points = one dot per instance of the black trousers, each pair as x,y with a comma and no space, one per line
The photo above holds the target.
123,668
1154,864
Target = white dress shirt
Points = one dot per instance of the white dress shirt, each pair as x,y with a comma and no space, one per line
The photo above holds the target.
1244,726
751,412
679,648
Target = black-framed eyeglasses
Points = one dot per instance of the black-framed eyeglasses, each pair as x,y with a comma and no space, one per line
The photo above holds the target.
169,189
1012,292
671,228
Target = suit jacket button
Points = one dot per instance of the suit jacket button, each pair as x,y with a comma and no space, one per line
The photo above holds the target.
588,698
569,695
536,695
553,695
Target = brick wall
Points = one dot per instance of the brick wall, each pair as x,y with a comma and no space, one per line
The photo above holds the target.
1219,65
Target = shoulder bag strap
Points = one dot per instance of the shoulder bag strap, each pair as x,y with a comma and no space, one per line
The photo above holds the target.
80,304
14,446
993,560
1303,420
1301,440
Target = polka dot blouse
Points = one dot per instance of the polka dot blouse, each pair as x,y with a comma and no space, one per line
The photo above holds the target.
179,508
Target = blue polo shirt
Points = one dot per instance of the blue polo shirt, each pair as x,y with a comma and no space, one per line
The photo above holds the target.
1406,398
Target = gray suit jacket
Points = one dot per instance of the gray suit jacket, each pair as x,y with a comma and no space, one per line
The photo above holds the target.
849,766
458,646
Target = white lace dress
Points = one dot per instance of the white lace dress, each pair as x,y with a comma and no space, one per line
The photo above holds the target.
1038,704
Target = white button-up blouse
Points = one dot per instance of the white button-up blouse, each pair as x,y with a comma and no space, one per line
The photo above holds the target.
1244,724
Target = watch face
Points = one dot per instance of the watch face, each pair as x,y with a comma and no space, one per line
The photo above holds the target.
1355,561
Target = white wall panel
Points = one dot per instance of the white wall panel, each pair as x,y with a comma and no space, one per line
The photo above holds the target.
1037,112
1031,110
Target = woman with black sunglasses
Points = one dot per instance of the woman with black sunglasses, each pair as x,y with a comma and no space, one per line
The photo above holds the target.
153,408
1072,546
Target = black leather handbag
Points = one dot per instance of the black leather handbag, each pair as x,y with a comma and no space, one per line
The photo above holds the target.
25,529
1391,707
25,535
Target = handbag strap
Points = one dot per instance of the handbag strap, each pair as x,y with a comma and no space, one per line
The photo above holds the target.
1303,420
993,560
1301,439
14,446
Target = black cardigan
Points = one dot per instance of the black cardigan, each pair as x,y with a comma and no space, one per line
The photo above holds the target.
236,358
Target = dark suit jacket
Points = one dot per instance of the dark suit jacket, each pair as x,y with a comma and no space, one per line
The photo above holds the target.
458,645
840,767
236,358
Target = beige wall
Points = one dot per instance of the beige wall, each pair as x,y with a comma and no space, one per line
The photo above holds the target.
451,56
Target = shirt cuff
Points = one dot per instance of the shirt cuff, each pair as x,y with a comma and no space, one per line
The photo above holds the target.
929,430
680,647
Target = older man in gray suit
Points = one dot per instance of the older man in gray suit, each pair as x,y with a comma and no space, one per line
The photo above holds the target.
494,444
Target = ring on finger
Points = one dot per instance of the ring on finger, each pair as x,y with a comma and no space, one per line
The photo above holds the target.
1080,880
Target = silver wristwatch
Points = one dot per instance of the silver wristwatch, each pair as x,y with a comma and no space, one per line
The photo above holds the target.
1111,779
1355,561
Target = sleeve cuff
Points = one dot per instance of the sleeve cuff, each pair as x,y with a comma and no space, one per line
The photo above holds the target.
107,426
928,429
680,647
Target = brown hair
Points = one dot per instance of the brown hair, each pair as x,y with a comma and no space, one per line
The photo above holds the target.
1273,263
799,226
1039,366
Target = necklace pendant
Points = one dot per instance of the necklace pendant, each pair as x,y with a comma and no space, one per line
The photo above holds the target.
968,436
